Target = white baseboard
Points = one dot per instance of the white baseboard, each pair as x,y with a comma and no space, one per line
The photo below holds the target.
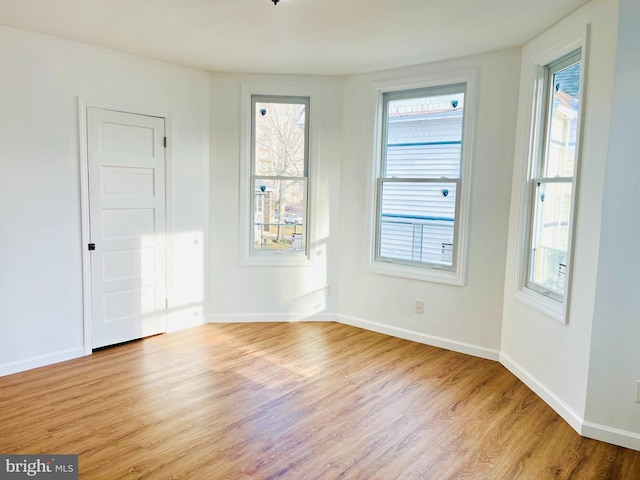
556,403
40,361
454,345
612,435
268,318
583,427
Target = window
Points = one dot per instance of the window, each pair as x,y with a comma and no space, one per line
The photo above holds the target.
552,179
279,174
419,183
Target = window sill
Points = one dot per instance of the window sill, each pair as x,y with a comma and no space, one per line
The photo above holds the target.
276,259
545,305
426,274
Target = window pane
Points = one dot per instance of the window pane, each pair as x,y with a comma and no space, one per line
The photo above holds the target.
550,240
424,136
420,170
279,143
563,122
279,222
417,221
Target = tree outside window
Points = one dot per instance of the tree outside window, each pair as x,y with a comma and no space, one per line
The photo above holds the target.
279,173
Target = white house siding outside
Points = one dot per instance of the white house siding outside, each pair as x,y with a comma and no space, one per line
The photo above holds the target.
424,140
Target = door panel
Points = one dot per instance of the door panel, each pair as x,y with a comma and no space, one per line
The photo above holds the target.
127,225
127,181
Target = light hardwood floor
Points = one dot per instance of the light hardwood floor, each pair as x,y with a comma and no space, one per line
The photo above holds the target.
294,401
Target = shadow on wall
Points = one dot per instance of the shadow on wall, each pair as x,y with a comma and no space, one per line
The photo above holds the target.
311,280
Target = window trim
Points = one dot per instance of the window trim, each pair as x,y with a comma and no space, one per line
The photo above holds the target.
534,73
429,272
247,255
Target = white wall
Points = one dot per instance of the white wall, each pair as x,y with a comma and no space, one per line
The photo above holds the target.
585,368
255,293
41,317
552,357
615,343
461,318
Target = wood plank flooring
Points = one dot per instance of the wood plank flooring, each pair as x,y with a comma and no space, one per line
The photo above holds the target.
294,401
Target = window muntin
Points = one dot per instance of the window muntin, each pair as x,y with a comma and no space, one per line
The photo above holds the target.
279,173
553,178
417,201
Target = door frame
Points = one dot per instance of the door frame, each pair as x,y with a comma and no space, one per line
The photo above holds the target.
84,206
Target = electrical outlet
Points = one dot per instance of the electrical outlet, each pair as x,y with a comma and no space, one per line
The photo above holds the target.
419,307
327,291
637,391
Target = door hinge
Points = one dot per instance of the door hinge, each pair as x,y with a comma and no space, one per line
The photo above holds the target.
165,142
92,246
166,304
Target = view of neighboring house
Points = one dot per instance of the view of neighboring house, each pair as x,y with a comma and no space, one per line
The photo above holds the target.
423,141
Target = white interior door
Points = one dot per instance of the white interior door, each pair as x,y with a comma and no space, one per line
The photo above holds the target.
126,157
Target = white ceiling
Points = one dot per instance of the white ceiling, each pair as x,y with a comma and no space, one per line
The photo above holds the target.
328,37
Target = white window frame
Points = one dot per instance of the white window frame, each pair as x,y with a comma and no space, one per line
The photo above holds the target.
536,71
247,254
541,158
455,275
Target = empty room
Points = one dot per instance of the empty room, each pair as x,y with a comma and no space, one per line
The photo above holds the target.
300,239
